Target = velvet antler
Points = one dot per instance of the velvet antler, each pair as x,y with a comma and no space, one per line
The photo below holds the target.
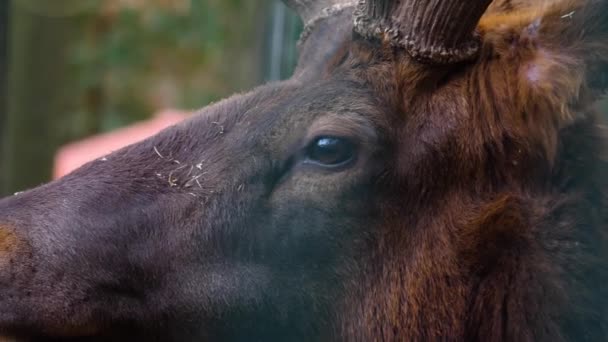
432,31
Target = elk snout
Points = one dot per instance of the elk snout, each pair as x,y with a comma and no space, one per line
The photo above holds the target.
9,245
14,255
13,251
35,298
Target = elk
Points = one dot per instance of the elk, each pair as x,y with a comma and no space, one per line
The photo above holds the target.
434,170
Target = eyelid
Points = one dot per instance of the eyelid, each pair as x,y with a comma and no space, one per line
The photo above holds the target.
336,167
356,129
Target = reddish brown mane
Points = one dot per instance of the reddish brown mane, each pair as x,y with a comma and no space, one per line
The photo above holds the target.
508,190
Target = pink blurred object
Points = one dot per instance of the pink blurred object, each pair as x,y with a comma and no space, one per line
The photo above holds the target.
73,155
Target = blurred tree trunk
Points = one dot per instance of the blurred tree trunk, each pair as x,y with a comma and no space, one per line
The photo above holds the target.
4,25
38,92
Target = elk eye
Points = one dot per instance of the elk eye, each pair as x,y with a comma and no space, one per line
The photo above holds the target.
330,151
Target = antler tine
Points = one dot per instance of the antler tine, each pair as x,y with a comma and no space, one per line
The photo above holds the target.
432,31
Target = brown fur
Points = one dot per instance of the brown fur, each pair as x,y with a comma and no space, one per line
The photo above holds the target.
474,262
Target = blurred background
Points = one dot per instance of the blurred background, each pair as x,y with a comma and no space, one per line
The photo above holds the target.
79,78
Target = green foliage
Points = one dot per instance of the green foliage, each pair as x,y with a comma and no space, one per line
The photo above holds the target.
132,61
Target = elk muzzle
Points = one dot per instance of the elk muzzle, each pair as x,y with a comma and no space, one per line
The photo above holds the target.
15,267
9,245
42,293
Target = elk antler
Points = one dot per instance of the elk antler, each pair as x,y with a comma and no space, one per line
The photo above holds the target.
432,31
312,10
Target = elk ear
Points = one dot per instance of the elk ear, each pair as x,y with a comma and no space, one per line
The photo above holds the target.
559,50
327,29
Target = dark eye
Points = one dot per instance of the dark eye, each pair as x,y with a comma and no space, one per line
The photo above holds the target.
330,151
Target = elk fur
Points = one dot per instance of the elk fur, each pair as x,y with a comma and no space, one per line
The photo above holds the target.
477,209
537,259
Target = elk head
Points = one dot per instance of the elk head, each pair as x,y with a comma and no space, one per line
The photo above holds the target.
433,170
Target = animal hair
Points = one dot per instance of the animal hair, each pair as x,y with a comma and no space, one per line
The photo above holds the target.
504,246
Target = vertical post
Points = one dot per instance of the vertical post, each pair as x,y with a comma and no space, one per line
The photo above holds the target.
40,89
4,26
284,31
